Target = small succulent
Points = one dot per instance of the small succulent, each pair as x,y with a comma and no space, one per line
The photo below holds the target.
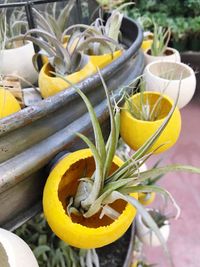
161,39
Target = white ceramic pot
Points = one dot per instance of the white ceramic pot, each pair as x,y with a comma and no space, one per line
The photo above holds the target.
14,252
19,61
147,236
165,77
172,55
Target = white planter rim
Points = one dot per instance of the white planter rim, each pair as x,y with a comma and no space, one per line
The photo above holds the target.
183,65
15,251
173,50
10,50
7,248
148,36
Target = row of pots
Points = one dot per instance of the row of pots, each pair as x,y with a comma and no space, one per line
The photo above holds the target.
48,85
164,73
154,74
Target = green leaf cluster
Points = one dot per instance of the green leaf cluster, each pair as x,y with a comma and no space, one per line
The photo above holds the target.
49,250
181,16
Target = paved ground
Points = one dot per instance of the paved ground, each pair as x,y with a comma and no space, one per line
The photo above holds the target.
184,241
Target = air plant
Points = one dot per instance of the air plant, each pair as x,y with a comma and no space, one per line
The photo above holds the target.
9,28
94,194
101,37
63,61
144,110
52,252
161,39
53,23
69,59
95,39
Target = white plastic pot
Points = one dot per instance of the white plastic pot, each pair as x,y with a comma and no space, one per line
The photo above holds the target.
165,77
172,55
14,252
147,236
19,61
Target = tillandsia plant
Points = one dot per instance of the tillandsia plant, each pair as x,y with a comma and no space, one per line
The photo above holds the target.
94,194
63,60
144,110
161,39
50,21
96,39
101,37
9,28
49,250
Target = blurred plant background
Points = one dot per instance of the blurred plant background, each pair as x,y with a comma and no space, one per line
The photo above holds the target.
182,16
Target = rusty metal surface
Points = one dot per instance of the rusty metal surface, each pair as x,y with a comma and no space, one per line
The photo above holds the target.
33,136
